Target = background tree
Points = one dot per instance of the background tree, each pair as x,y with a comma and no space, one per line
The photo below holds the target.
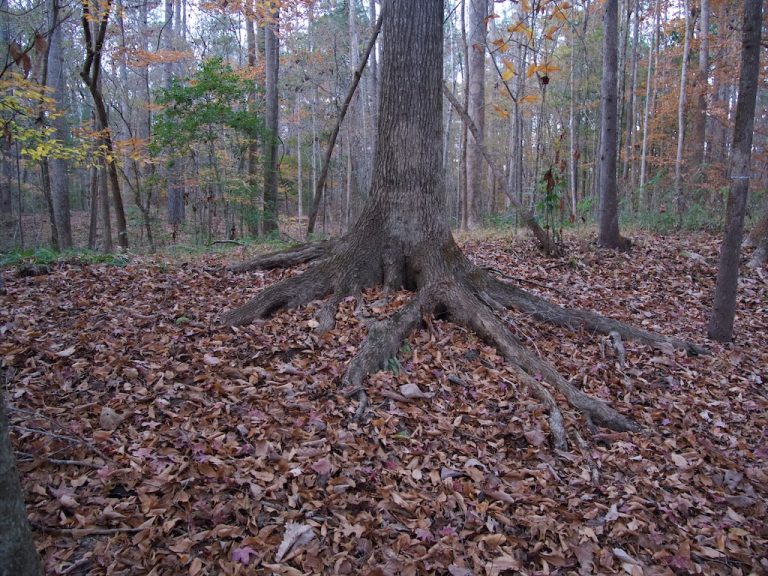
272,139
608,233
724,307
476,185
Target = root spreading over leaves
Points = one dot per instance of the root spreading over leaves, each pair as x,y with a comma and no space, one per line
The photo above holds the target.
445,284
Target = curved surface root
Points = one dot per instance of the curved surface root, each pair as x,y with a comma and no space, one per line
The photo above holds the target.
574,319
382,343
468,310
285,258
289,293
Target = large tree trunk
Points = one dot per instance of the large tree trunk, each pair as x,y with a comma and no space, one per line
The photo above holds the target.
608,233
476,177
403,240
18,556
272,63
724,307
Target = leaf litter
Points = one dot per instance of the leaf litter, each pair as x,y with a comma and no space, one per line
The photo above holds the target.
153,440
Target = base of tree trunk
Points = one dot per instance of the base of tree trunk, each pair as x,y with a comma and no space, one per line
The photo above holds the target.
446,285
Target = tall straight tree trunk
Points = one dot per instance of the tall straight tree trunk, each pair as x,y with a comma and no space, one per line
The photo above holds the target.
18,556
254,224
173,173
477,202
649,97
272,63
699,129
106,242
608,233
721,320
631,116
57,167
679,159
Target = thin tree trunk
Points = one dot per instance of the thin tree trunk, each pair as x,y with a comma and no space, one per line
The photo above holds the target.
57,167
630,133
721,321
699,131
608,233
272,64
679,192
320,184
93,221
106,246
649,97
477,201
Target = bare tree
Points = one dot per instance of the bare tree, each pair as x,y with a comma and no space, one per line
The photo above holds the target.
608,232
476,180
272,67
679,192
724,307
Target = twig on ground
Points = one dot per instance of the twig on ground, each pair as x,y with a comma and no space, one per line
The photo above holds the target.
72,439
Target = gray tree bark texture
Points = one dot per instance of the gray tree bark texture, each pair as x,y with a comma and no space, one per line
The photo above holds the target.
699,129
679,160
608,233
18,556
403,240
476,174
173,173
58,166
721,321
272,67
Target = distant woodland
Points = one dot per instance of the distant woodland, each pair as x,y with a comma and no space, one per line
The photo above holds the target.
146,124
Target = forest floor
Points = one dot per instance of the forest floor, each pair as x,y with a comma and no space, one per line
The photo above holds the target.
154,440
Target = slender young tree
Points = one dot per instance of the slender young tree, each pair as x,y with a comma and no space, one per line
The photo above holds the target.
57,167
476,175
272,66
608,233
699,129
724,307
403,239
679,192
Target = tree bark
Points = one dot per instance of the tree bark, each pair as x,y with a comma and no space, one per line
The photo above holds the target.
403,240
721,321
18,556
57,166
476,205
272,66
608,233
679,192
699,129
94,44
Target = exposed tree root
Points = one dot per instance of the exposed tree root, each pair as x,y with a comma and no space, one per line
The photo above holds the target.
469,297
575,319
289,293
383,342
466,309
286,258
